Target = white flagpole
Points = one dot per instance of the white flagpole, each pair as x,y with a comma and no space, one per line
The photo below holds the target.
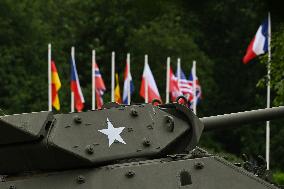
93,80
72,93
49,79
178,70
112,75
128,82
146,80
168,80
194,85
268,93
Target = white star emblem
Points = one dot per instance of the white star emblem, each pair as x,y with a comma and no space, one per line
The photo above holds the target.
112,133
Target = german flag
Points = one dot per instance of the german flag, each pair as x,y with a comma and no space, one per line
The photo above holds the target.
55,86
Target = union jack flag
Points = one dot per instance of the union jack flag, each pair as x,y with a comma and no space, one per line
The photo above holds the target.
198,93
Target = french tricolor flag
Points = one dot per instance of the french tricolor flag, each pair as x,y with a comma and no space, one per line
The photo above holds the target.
76,88
127,81
259,44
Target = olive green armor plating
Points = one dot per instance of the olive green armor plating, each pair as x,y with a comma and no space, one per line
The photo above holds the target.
120,146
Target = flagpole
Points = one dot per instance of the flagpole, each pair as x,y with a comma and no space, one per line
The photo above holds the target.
93,80
146,80
268,93
168,80
194,86
128,82
178,70
49,79
72,93
112,74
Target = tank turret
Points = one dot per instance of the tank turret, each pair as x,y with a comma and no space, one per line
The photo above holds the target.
120,146
65,141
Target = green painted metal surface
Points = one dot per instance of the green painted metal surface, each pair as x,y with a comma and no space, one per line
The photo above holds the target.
23,127
168,173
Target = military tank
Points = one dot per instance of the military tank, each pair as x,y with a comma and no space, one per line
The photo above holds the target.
122,146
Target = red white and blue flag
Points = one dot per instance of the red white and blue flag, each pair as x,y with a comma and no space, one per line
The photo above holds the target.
76,88
100,86
259,44
174,86
127,81
185,86
198,93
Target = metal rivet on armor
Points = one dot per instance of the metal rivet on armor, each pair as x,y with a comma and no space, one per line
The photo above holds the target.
199,165
133,112
238,164
146,142
130,174
12,187
80,179
170,123
150,126
77,119
89,149
129,129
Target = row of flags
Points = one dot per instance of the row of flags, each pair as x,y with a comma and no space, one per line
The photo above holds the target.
179,85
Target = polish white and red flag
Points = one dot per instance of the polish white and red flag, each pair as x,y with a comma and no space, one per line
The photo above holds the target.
259,44
174,87
153,92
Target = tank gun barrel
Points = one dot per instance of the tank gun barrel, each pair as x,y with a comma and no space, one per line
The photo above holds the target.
234,119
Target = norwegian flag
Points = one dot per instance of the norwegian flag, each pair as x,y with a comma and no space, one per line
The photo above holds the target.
100,85
99,98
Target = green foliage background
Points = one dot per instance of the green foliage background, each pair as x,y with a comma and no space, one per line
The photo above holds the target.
215,33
